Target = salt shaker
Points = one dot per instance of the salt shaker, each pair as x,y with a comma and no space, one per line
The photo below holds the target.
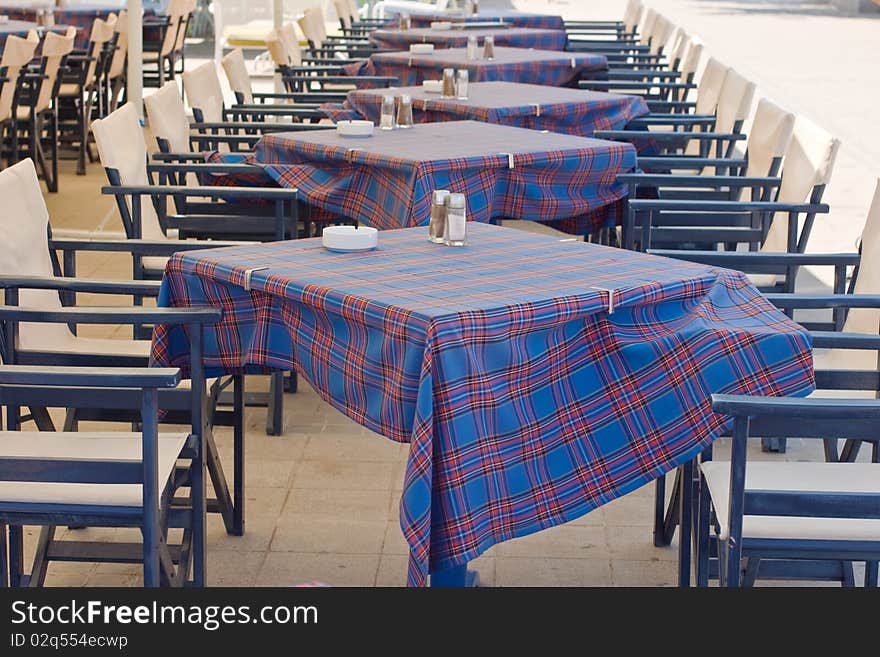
448,90
489,48
386,118
404,112
461,84
456,221
472,47
475,5
437,225
404,21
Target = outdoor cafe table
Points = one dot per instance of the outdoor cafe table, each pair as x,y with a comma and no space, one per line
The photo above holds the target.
504,172
557,109
516,37
548,67
535,379
511,17
80,15
21,29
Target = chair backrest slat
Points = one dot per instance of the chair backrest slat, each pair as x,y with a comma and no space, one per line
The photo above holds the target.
203,91
237,75
167,116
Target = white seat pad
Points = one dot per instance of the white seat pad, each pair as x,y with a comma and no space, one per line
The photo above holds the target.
100,346
83,445
827,477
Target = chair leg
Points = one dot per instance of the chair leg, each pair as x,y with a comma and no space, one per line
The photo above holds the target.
685,524
4,558
199,509
41,557
53,145
665,524
704,515
275,411
871,574
16,556
238,456
753,564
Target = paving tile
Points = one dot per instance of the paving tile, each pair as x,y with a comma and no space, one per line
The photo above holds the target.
343,475
530,571
625,572
565,541
292,568
307,533
339,504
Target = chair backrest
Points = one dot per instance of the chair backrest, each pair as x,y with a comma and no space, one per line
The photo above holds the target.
646,29
353,9
188,9
167,116
691,61
734,106
237,75
808,163
102,32
117,64
679,49
769,138
177,10
24,221
632,14
290,41
55,48
121,146
312,25
203,91
663,31
709,87
17,53
867,320
343,11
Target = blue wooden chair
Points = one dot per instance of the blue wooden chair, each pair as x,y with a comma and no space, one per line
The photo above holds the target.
48,266
103,479
776,216
792,519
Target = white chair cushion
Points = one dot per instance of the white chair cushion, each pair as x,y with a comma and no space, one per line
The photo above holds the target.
167,116
769,138
73,344
88,446
864,320
237,74
816,477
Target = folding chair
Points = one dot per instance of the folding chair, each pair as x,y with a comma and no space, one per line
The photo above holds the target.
324,46
311,80
17,53
117,70
793,519
205,97
106,479
162,54
37,111
80,93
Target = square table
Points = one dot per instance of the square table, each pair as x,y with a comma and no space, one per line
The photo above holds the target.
515,37
535,379
80,15
548,67
557,109
511,17
386,180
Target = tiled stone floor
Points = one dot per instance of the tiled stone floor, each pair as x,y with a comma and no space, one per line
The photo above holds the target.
322,499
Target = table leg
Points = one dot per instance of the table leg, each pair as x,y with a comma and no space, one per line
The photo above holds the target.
455,577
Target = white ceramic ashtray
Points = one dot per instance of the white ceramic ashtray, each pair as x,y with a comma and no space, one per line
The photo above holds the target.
432,86
349,238
355,128
421,48
441,25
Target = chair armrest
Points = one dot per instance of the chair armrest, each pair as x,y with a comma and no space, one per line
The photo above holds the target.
204,167
256,125
673,120
112,315
159,248
684,162
726,206
681,180
89,377
824,408
669,136
266,193
823,301
737,259
60,283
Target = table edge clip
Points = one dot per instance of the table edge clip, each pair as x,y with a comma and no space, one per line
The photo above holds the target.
250,272
510,164
537,107
610,292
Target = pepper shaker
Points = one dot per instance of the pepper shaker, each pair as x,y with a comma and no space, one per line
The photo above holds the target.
405,112
437,225
448,90
489,48
461,84
386,118
456,221
472,47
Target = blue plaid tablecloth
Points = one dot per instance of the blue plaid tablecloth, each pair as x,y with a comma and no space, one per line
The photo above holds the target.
386,180
514,37
513,18
525,402
80,16
547,67
557,109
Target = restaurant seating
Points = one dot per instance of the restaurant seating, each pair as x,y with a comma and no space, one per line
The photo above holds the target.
324,46
37,111
163,59
117,70
81,93
351,22
17,54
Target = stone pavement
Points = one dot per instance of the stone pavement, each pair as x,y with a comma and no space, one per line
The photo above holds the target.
323,497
